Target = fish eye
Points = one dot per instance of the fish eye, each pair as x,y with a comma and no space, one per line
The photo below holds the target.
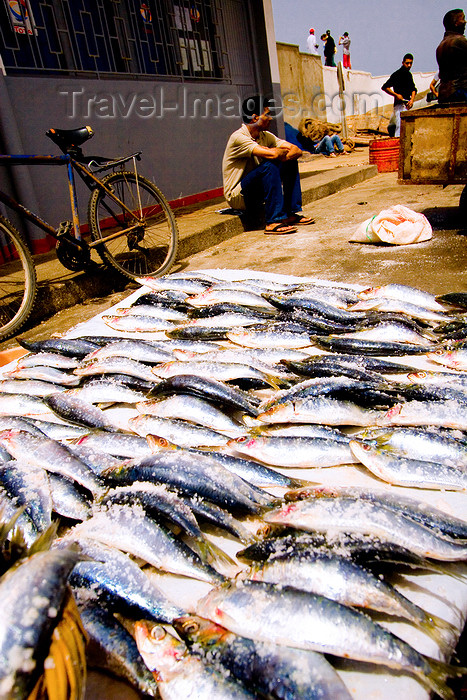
158,633
439,352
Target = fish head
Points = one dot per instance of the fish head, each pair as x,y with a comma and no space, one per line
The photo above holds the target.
160,650
244,442
417,377
443,357
282,514
279,413
162,370
369,293
360,449
391,414
160,444
198,630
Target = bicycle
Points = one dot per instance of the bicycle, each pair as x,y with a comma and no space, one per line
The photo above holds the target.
131,225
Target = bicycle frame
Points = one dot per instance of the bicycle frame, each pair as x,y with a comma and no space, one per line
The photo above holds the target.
88,178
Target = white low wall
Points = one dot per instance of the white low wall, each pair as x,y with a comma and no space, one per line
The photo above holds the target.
362,92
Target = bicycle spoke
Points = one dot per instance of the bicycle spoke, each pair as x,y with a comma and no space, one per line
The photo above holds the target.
148,243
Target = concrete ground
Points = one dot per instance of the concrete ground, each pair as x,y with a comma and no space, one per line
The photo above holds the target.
339,192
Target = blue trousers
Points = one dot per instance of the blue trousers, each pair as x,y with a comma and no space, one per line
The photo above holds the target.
326,145
277,184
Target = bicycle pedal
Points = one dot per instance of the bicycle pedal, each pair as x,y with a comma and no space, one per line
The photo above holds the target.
64,228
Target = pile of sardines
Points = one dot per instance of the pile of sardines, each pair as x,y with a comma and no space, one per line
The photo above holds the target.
188,418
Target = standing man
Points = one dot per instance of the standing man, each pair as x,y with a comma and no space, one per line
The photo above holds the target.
329,49
344,41
259,167
311,44
401,86
451,55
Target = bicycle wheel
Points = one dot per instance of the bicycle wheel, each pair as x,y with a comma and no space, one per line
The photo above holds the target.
150,247
17,280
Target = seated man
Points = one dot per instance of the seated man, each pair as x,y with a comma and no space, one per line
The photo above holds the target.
327,146
259,167
451,55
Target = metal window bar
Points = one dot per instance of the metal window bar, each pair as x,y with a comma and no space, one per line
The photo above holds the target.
178,39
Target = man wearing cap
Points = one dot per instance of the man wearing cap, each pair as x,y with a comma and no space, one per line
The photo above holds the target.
311,44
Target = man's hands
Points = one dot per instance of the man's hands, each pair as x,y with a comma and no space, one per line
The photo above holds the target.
287,151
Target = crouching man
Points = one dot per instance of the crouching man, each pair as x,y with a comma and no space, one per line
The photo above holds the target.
259,167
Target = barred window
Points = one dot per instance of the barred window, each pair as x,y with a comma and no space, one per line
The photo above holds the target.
178,39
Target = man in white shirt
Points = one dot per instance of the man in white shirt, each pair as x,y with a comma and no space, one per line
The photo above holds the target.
311,44
259,167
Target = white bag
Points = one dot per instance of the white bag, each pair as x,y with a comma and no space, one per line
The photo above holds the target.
397,225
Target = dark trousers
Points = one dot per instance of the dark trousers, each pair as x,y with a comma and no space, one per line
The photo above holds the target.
277,184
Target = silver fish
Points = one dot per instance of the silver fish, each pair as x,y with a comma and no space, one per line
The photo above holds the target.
32,595
449,414
180,432
116,649
347,514
181,674
294,451
302,620
116,365
44,373
129,529
31,387
400,470
140,350
322,411
44,452
193,409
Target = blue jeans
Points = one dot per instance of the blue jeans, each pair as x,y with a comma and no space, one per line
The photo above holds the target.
277,184
326,145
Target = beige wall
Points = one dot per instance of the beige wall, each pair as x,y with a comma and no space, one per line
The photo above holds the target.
302,86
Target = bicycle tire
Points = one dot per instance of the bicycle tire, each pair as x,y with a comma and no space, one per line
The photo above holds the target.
152,248
18,282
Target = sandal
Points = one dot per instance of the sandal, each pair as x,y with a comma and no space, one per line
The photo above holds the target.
300,220
280,229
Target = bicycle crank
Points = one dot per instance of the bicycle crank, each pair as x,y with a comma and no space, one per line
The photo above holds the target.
73,254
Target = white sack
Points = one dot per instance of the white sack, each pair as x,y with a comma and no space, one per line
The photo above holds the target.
397,225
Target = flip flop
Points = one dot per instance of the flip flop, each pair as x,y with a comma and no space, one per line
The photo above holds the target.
300,220
280,229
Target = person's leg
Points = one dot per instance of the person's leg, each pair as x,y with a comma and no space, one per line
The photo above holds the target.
335,141
397,111
324,146
291,185
264,184
293,194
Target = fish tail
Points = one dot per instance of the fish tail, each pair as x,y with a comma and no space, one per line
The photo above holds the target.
438,629
214,555
437,677
272,381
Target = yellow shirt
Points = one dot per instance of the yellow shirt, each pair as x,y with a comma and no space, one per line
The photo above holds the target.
238,161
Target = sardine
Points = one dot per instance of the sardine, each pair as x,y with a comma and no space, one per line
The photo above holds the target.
346,514
32,596
131,530
302,620
217,392
400,470
193,409
45,374
116,365
74,409
404,293
140,350
180,432
44,452
294,451
320,410
113,649
337,577
276,671
179,673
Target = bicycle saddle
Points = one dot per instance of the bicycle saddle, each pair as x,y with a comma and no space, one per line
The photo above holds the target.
68,139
